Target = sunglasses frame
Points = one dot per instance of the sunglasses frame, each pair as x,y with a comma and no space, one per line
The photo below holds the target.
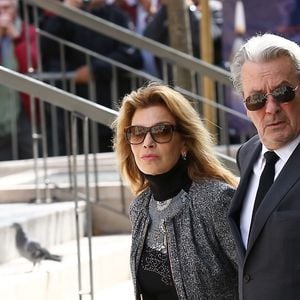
149,130
261,104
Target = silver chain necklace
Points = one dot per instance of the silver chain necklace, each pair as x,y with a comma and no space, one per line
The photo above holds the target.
161,205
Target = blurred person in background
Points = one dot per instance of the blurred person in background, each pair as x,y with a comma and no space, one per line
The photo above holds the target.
16,47
146,9
157,29
100,71
141,13
181,243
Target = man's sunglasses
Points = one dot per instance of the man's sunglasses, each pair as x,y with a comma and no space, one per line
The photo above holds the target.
281,94
161,133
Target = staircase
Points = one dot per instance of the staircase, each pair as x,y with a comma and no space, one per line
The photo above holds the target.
58,281
52,223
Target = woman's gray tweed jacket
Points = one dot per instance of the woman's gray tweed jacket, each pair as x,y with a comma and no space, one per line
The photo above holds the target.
200,246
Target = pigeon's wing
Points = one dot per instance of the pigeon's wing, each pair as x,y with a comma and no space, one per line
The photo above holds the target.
34,251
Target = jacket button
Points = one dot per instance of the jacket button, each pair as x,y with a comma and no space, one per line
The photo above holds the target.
247,278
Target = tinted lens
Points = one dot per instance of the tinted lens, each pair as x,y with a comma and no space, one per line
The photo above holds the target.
136,134
160,133
256,101
282,94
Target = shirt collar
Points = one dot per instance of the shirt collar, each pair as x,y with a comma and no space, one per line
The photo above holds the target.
284,152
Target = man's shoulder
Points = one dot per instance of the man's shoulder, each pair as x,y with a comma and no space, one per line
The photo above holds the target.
247,152
250,144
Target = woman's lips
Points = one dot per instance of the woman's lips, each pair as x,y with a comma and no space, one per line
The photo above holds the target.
149,156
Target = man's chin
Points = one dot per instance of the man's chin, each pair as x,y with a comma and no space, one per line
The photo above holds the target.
275,141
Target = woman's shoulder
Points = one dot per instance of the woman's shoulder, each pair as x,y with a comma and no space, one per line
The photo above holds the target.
140,201
211,191
212,185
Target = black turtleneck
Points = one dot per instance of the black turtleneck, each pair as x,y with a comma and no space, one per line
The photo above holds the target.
167,185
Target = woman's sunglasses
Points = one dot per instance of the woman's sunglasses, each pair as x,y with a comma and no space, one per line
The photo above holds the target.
161,133
282,94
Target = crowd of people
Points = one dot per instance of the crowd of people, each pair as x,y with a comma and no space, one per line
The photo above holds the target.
98,70
146,17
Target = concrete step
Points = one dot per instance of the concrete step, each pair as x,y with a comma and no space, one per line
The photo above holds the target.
55,179
59,281
123,290
49,224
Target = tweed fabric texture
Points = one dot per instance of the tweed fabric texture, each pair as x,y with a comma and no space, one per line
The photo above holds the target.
200,245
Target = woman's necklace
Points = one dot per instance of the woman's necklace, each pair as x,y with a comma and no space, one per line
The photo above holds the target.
161,205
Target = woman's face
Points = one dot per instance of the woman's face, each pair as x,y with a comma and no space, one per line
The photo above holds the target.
152,157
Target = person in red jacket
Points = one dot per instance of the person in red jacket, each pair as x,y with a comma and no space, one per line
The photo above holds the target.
18,51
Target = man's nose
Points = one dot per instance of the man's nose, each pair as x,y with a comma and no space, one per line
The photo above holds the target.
272,105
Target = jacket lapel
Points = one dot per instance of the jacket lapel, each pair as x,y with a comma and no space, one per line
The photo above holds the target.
284,182
249,157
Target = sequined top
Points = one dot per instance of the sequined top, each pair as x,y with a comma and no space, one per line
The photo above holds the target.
199,242
154,272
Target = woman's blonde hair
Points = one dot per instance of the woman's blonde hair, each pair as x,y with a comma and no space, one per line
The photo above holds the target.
201,159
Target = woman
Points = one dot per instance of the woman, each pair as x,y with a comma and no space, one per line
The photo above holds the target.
181,245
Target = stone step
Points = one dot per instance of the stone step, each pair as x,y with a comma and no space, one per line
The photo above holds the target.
49,224
59,281
123,290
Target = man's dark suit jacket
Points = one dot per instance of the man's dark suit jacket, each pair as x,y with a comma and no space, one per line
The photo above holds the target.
270,267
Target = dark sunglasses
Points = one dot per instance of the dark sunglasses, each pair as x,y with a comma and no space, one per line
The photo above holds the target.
281,94
160,133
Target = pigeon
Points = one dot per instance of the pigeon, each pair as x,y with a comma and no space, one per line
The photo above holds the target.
32,250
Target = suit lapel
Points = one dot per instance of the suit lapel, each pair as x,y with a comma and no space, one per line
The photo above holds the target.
249,157
284,182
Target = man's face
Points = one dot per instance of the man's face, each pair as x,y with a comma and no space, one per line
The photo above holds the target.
277,123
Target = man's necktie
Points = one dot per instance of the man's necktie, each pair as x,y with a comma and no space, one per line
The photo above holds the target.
266,179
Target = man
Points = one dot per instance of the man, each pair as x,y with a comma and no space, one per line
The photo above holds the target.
15,41
266,72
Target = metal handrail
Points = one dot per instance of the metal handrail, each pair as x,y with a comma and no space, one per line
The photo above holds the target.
129,37
56,96
138,73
